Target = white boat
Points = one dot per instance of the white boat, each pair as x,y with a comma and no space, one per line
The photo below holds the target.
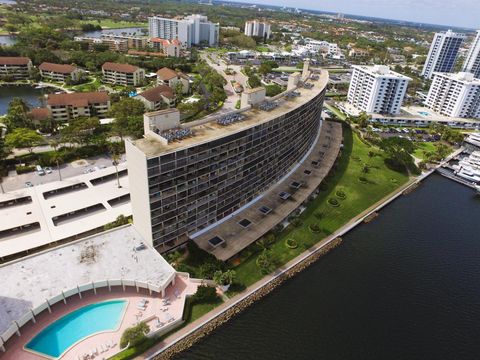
473,139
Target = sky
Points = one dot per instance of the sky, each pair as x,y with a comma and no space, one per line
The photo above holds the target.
461,13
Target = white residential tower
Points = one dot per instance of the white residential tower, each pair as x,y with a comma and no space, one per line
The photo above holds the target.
443,53
455,95
192,30
377,89
472,62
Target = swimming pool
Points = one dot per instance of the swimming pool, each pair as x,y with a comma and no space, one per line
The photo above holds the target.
59,336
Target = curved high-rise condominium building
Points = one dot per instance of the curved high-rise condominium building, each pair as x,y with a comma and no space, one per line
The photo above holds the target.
186,179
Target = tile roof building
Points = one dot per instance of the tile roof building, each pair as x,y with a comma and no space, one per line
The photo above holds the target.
64,107
169,77
157,97
17,68
122,74
59,72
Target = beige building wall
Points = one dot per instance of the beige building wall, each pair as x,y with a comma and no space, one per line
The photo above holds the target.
139,193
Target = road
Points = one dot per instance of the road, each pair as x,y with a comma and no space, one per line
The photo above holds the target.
15,182
232,97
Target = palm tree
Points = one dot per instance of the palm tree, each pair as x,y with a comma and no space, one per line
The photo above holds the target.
57,157
115,161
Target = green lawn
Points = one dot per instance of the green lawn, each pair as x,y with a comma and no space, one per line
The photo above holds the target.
262,49
421,147
336,111
359,196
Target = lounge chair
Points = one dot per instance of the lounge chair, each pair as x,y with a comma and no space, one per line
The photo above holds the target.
143,308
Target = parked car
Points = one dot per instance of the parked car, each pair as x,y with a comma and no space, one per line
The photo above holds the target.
39,170
48,170
28,184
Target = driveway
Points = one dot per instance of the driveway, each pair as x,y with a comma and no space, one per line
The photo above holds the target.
15,182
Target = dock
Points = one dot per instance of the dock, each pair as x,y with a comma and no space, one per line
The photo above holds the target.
450,175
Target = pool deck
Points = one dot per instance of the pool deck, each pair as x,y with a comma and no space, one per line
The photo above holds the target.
183,287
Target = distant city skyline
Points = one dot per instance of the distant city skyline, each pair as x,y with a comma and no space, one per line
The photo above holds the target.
461,13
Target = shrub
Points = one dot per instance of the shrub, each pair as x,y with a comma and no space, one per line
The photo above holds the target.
24,169
333,202
341,195
206,270
318,214
134,335
315,228
296,222
224,278
204,295
363,179
291,243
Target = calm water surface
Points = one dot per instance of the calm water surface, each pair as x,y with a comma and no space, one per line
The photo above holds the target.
406,286
32,96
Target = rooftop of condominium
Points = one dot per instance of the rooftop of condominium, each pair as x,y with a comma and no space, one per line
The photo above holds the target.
38,216
208,129
114,255
465,78
382,71
14,60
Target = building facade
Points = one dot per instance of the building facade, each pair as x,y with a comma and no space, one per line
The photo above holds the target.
167,47
122,74
472,61
257,28
64,107
443,53
183,186
192,30
455,95
59,72
120,45
377,89
157,98
133,42
17,68
171,78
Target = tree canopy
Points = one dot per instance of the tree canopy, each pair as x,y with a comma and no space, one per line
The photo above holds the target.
22,138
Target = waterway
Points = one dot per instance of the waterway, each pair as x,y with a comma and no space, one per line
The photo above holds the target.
32,96
11,39
405,286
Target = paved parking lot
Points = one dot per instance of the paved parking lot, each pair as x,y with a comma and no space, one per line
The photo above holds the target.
15,182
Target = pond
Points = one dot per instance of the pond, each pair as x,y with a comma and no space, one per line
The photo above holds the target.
11,39
33,97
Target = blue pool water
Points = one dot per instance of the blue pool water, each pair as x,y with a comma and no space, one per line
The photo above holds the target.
56,338
423,113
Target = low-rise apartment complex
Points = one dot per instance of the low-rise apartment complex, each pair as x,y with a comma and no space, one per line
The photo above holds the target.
377,89
158,97
59,72
122,74
455,95
171,78
64,107
167,47
17,68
